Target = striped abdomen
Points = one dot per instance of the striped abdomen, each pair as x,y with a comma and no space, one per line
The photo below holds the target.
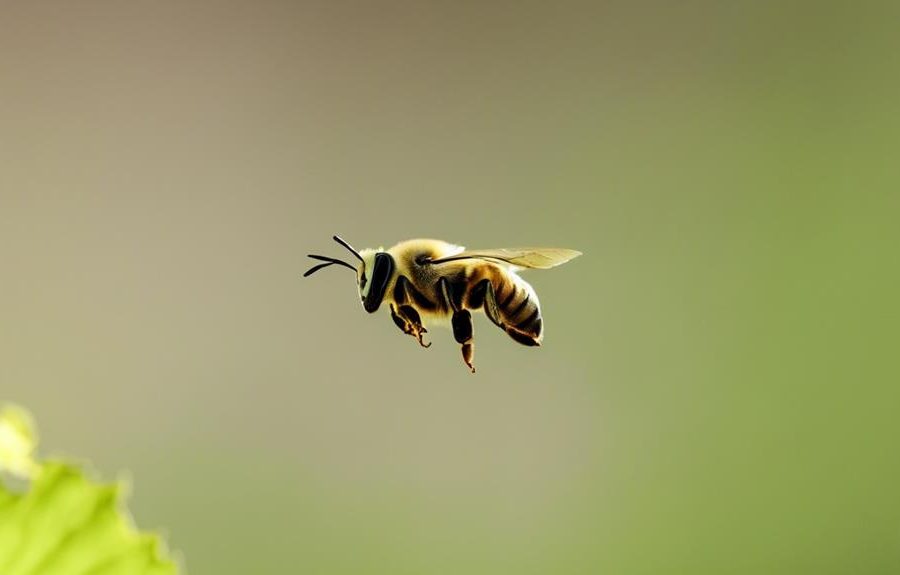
515,306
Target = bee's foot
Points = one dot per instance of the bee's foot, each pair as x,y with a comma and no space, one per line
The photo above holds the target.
467,353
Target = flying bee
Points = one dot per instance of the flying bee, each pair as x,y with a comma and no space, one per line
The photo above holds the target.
438,281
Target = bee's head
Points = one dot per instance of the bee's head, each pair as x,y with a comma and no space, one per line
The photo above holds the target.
372,275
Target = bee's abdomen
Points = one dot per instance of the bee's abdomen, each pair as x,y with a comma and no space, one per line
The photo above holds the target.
517,305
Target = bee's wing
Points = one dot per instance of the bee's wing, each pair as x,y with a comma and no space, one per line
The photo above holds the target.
538,258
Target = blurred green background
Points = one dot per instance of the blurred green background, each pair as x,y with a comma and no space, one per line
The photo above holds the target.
717,388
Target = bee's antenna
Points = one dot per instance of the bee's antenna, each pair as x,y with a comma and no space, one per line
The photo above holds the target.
314,269
328,261
349,247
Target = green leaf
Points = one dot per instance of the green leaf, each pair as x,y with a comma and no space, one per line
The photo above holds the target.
65,522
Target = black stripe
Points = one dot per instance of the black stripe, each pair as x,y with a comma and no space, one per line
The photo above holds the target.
476,294
508,299
527,321
521,306
522,338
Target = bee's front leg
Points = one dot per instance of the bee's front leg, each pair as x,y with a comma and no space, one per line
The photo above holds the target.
409,322
400,321
416,322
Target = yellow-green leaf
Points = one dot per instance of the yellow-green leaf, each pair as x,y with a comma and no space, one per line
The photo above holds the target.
65,522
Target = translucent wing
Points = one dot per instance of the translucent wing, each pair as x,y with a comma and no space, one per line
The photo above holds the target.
537,258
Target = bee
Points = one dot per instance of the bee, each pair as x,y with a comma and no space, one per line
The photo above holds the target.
445,283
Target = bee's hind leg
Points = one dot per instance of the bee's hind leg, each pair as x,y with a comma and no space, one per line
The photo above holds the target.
462,332
409,322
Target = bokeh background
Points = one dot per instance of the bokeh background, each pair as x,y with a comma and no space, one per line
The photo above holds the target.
717,389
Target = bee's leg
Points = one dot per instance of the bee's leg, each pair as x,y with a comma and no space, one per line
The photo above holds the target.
462,332
412,322
408,320
461,320
491,309
400,321
416,321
